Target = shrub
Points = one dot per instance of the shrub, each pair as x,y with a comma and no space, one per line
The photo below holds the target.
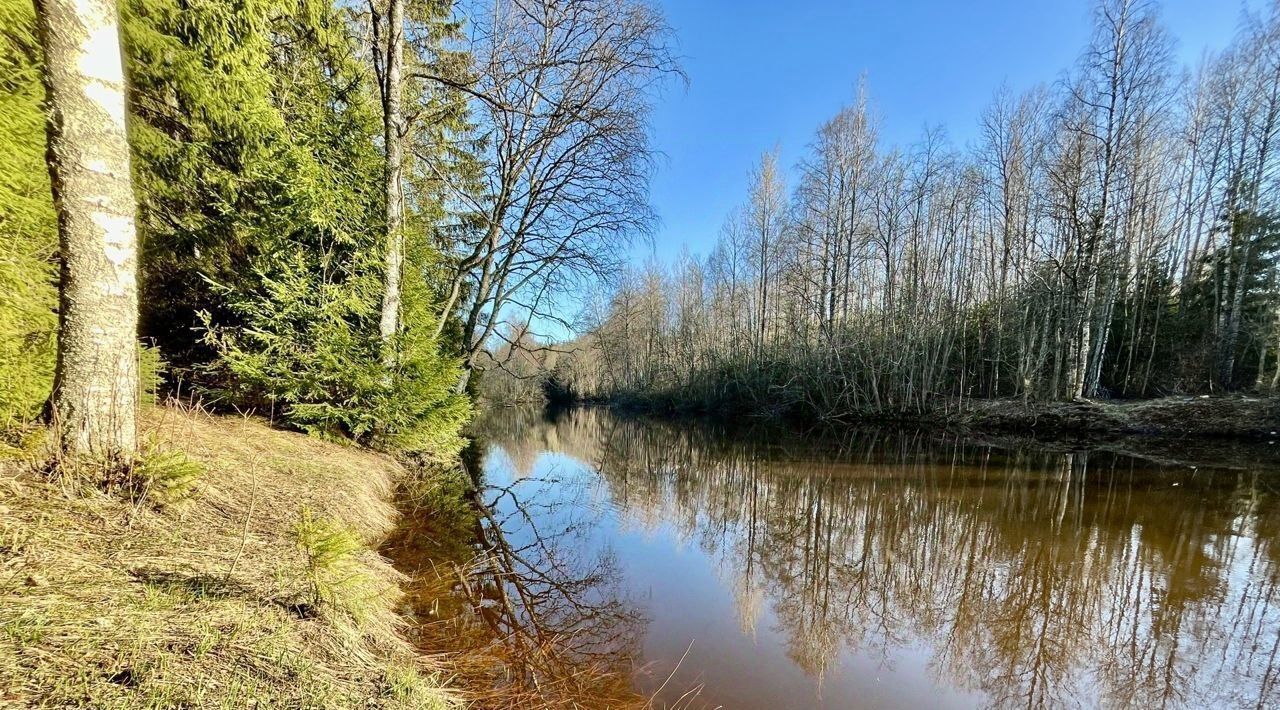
332,575
310,357
166,477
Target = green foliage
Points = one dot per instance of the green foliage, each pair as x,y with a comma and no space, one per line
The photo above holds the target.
258,171
333,575
1189,352
151,373
167,477
28,229
296,327
311,356
225,174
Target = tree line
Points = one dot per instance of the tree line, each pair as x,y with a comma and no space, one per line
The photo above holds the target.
1114,234
316,210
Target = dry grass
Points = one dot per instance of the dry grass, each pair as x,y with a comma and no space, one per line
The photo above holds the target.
210,600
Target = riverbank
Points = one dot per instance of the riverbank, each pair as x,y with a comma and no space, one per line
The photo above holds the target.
245,574
1226,417
1211,417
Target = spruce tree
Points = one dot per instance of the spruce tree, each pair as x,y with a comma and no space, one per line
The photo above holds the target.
28,227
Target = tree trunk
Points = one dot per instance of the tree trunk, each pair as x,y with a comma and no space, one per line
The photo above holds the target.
95,394
1227,369
1275,379
392,120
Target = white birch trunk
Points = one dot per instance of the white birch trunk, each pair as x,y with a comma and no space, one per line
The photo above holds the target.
392,133
96,388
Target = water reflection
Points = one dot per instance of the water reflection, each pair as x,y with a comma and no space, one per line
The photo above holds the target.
550,593
899,569
508,576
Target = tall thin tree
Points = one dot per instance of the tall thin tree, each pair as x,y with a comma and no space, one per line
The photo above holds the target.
96,387
393,134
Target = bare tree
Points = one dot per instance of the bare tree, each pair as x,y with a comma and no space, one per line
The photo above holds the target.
567,86
1121,91
766,218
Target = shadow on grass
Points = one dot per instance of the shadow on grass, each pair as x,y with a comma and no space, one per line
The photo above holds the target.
209,586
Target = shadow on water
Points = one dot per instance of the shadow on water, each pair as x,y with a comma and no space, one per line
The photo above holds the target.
756,569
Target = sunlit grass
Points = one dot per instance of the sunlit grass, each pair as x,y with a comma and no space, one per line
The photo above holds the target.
258,590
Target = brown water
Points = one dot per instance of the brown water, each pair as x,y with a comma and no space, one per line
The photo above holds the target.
889,569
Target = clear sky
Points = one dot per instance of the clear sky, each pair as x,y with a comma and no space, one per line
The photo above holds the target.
768,72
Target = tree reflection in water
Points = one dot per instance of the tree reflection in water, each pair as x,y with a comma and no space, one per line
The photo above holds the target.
504,574
551,595
1032,578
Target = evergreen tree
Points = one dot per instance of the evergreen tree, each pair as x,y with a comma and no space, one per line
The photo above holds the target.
255,137
28,230
303,337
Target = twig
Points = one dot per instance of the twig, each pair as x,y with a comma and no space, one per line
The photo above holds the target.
244,532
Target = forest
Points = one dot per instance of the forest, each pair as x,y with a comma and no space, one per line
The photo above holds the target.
336,204
1111,234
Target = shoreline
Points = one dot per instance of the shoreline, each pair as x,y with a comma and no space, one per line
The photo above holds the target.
1225,417
1223,432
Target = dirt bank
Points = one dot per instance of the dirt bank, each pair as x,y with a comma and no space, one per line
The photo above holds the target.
1231,431
1236,416
1222,417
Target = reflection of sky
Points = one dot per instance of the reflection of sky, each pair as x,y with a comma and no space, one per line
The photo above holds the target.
1169,569
682,593
690,604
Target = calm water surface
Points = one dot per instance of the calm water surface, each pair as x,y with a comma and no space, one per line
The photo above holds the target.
890,569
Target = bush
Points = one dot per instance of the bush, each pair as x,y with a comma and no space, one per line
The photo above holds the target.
166,477
309,356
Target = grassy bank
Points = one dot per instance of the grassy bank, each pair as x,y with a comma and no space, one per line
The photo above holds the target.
243,575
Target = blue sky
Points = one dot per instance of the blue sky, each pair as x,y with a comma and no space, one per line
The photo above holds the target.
765,73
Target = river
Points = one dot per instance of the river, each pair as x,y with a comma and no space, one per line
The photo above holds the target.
758,569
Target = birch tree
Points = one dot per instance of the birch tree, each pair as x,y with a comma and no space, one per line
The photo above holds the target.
391,86
766,218
95,394
424,84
